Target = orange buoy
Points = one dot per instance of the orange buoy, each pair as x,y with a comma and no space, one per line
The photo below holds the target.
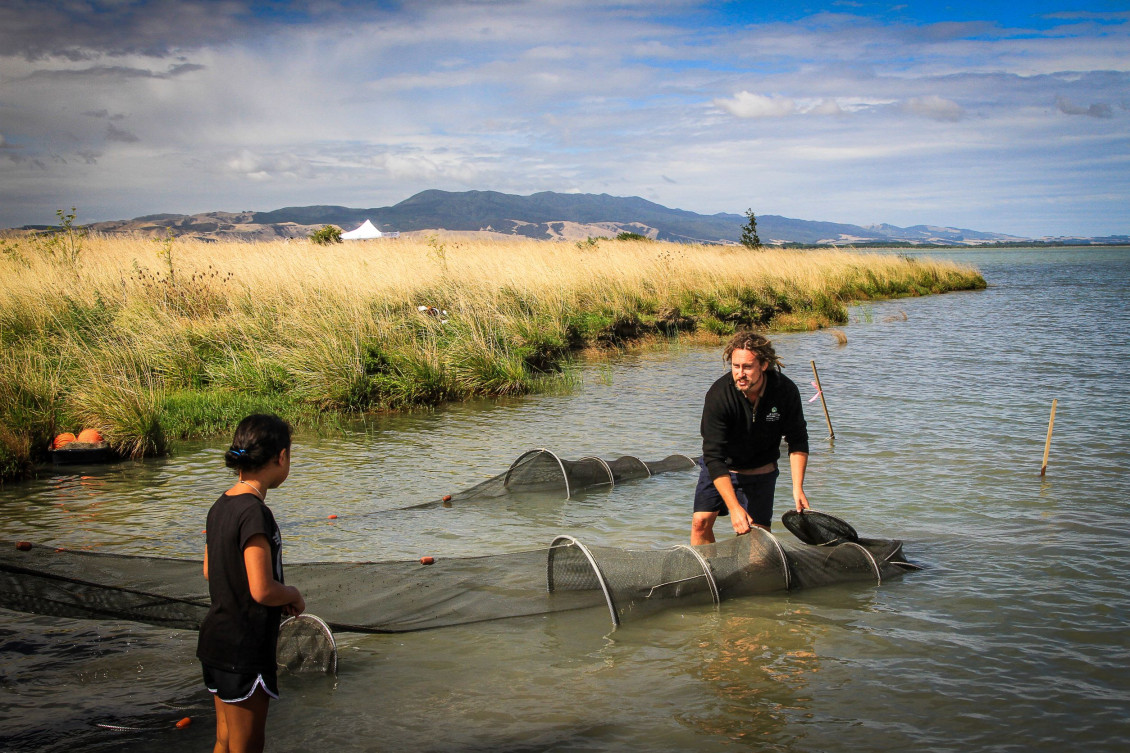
92,436
447,498
62,440
333,517
427,560
23,546
184,722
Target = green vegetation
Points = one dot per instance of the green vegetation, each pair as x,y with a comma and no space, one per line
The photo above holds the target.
326,235
749,238
117,338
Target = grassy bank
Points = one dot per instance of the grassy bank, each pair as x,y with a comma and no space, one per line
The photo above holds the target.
153,341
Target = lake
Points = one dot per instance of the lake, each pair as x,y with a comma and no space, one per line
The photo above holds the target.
1013,637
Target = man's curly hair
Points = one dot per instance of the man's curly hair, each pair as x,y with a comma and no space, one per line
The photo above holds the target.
757,344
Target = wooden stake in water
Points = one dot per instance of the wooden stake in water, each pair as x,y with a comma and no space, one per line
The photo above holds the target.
820,391
1048,443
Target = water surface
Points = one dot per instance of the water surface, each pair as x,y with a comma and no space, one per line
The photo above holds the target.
1013,637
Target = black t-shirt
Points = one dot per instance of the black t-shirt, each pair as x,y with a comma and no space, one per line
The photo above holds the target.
238,634
733,437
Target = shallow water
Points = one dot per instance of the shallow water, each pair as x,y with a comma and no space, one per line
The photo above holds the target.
1013,637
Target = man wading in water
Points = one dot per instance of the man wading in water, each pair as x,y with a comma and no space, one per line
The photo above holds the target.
745,415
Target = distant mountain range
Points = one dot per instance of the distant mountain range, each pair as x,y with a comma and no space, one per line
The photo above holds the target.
549,215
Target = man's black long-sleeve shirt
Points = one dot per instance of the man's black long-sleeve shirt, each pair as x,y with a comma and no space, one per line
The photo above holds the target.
732,437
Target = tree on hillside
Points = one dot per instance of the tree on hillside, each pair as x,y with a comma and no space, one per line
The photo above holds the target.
749,231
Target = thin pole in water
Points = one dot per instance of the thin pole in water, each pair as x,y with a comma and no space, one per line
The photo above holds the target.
1048,443
820,391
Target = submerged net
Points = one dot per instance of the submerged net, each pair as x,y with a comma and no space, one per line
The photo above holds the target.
404,596
542,471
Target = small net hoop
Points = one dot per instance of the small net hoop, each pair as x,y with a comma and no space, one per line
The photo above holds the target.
306,644
819,528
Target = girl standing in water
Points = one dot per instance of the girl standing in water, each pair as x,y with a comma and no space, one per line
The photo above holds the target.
243,567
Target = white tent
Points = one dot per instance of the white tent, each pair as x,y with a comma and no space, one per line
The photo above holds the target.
365,231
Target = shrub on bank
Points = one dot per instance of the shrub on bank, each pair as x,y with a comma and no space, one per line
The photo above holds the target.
316,332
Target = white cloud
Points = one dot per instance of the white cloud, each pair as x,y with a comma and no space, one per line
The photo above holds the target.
427,168
748,105
935,107
150,108
262,167
826,107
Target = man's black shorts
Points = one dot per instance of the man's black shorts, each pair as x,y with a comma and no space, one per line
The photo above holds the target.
754,492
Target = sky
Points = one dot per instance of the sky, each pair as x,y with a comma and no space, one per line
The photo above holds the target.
1009,117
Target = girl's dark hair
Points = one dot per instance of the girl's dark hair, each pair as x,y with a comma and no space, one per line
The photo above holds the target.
258,440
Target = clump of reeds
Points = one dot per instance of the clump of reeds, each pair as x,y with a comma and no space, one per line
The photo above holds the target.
124,340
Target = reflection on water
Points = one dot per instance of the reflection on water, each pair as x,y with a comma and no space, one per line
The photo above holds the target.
1012,637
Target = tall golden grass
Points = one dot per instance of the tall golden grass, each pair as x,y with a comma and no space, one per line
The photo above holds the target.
145,339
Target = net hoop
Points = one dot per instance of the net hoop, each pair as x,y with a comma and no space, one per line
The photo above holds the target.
822,522
322,627
780,553
867,555
603,464
570,541
538,451
705,570
642,464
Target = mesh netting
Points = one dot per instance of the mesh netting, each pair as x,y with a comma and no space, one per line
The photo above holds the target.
541,471
406,596
306,644
818,528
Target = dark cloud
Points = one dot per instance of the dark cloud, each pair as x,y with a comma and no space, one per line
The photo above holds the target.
120,72
113,133
114,72
1097,110
39,29
177,70
104,114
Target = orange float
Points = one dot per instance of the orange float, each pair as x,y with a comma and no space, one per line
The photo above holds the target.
92,436
184,722
427,560
23,546
63,440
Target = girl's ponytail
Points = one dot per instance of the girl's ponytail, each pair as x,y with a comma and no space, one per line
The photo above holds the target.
258,440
